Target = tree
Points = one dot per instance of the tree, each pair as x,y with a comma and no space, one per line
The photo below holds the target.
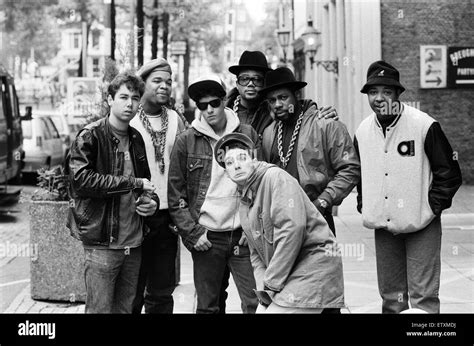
193,24
79,11
213,44
30,29
154,30
263,37
141,31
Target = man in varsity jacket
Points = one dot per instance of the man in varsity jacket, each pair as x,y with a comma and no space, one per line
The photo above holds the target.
409,176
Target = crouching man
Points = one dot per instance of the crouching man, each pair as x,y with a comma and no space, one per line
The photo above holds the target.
112,192
288,237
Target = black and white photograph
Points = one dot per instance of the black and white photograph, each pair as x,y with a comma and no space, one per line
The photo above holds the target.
163,159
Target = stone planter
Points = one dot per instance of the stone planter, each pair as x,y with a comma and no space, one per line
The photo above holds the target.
57,269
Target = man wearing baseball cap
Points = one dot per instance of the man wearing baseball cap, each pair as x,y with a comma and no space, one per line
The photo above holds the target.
409,176
288,238
203,201
159,125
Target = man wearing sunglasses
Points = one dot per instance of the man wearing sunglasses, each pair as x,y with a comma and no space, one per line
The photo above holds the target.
204,202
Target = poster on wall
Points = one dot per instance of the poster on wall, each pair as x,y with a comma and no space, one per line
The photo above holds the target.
433,72
461,67
82,96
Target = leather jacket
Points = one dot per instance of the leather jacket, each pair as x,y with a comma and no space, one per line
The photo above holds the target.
95,168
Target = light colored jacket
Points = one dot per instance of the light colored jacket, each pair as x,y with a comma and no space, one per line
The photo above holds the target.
396,172
291,245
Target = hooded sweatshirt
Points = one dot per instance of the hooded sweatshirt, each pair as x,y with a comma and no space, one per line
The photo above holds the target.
220,210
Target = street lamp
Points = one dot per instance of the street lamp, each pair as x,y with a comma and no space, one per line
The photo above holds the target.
284,40
312,42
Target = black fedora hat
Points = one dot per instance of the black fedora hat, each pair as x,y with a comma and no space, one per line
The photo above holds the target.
382,73
281,77
252,61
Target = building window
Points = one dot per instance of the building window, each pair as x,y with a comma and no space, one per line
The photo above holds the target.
76,39
95,38
230,18
96,67
228,56
229,34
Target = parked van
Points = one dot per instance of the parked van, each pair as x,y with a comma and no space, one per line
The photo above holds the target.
62,126
42,143
11,151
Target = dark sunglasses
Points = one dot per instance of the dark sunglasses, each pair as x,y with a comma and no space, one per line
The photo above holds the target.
203,105
244,81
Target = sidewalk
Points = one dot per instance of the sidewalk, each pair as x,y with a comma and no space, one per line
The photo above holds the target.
360,279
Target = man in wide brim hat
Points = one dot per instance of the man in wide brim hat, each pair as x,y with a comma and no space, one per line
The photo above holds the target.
331,173
244,99
251,60
279,78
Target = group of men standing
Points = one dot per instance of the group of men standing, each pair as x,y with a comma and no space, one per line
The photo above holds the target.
143,175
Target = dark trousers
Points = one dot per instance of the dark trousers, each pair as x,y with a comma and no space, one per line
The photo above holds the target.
157,277
409,267
210,266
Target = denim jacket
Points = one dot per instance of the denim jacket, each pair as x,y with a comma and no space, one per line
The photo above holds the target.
95,169
189,179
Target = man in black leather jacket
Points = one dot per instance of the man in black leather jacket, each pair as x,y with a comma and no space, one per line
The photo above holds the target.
111,195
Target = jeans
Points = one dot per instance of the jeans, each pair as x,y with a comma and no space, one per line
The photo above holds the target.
223,294
408,267
157,279
111,278
210,266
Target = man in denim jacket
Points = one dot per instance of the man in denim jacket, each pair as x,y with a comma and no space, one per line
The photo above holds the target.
203,201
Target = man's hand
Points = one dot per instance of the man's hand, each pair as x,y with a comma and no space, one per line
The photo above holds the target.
148,185
146,209
328,112
243,240
203,244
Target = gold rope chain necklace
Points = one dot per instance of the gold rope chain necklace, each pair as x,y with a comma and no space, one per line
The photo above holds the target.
236,104
285,160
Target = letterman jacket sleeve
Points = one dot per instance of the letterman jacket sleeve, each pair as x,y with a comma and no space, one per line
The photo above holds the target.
445,168
359,184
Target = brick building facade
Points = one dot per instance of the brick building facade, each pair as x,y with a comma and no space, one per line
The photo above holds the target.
408,24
